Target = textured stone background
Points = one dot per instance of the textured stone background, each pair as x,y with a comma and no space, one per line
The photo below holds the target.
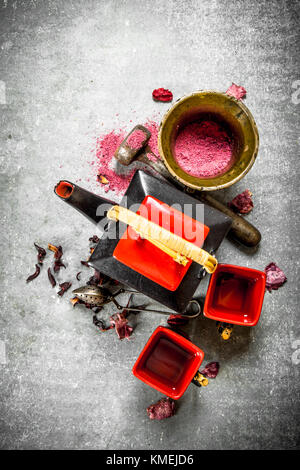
66,67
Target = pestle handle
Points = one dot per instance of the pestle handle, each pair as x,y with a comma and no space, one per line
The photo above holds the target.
241,229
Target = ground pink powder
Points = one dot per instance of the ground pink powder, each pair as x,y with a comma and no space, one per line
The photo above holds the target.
203,149
106,165
136,139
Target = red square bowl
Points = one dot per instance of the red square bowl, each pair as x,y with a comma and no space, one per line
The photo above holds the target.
150,261
235,295
168,362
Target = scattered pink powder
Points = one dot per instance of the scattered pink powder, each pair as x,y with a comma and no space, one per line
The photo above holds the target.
153,127
106,165
236,91
203,149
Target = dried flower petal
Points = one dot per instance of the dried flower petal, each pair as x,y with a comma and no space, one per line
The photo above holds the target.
120,322
51,278
41,253
242,203
98,279
35,274
236,91
85,263
177,320
63,288
58,252
161,94
210,370
94,239
74,301
102,179
57,265
78,276
275,277
164,408
100,324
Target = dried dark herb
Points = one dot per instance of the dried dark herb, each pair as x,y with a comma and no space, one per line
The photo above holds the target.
51,278
63,288
94,239
101,325
275,277
58,251
242,203
41,253
57,265
98,279
35,274
211,370
164,408
177,320
85,263
78,276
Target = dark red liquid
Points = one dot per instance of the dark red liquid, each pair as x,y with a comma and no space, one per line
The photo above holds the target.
168,362
234,293
231,292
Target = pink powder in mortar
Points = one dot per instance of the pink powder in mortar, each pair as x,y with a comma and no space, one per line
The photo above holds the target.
106,165
203,149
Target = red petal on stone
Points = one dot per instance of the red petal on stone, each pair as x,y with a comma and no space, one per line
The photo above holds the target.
164,408
161,94
275,277
211,370
236,91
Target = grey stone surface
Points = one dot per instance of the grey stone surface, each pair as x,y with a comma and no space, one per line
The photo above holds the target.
66,68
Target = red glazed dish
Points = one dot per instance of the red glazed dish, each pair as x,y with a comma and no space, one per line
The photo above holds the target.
168,362
145,258
235,295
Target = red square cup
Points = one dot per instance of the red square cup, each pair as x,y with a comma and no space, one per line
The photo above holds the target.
168,362
235,295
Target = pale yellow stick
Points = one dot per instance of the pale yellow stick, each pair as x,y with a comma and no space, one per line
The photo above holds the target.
172,244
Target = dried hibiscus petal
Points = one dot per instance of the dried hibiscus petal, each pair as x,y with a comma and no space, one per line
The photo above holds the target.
161,94
242,203
98,279
210,370
58,252
35,274
51,278
75,301
57,265
94,239
85,263
120,322
41,253
100,324
236,91
102,179
275,277
63,288
164,408
177,320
